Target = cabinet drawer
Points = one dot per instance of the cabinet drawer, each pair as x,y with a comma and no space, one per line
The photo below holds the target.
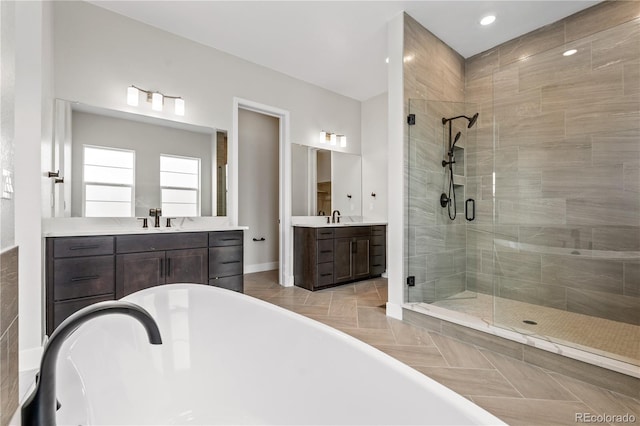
377,265
377,240
178,240
81,277
324,233
225,261
353,231
225,238
378,230
325,251
377,250
61,310
325,274
235,283
82,246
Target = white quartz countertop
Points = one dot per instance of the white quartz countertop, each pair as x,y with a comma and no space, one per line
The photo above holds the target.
337,225
72,227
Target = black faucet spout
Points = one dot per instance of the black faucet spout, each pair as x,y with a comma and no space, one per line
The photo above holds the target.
333,216
40,407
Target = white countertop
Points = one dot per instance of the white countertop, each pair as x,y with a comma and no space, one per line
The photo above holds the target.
337,225
321,221
72,227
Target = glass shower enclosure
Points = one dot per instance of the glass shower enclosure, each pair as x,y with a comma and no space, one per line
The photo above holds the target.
545,239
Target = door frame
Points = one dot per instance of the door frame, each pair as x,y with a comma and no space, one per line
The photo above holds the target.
285,234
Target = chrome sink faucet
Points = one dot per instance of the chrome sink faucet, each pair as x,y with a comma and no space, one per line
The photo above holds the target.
40,407
156,213
333,216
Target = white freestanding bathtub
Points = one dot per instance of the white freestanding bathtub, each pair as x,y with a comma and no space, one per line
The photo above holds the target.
228,358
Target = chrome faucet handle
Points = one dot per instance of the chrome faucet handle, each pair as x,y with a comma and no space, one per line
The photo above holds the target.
145,221
169,221
328,219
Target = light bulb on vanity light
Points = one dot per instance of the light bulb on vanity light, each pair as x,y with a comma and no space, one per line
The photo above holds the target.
343,141
156,101
132,95
333,139
179,107
323,137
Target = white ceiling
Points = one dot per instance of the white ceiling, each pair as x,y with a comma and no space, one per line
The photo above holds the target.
338,45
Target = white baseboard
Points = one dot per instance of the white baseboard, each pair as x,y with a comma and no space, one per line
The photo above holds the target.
260,267
394,311
29,359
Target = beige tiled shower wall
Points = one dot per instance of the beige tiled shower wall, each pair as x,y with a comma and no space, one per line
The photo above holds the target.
567,161
436,246
8,334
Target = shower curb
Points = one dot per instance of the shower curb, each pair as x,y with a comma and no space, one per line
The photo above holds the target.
584,371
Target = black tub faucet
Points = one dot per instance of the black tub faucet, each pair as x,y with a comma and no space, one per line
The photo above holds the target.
40,407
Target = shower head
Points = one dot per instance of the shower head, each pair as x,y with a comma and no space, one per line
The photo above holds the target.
472,120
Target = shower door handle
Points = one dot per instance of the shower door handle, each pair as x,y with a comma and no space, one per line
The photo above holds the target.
473,209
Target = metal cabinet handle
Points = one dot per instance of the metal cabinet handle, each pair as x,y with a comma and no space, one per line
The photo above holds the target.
325,275
261,239
87,278
84,247
168,266
230,261
161,267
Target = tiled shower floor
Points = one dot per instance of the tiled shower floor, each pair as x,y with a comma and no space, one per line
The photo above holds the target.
608,338
514,391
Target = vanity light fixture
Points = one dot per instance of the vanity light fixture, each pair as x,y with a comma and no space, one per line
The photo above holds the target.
156,99
333,138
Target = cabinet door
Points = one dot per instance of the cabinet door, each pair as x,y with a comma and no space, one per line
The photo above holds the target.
360,257
187,266
137,271
342,266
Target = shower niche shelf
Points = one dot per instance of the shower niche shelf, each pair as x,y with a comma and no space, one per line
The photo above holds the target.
458,167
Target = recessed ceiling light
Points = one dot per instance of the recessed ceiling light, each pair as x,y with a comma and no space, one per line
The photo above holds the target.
387,60
487,20
569,52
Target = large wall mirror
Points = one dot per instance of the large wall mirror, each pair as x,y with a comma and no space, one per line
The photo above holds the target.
118,164
324,180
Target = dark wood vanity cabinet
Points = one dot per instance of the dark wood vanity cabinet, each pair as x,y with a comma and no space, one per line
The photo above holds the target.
331,256
81,271
226,260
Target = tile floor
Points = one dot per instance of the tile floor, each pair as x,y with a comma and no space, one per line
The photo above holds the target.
516,392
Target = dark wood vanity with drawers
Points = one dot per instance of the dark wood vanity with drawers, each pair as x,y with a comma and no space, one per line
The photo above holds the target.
84,270
330,256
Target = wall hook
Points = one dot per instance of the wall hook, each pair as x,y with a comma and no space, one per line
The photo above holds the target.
53,174
373,194
348,195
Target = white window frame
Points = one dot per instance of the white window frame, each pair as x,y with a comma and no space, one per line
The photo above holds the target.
85,183
179,188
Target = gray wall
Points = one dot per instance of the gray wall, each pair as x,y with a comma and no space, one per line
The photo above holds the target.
258,137
8,251
148,141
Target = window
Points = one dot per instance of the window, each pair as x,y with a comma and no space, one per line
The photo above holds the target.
108,176
180,186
